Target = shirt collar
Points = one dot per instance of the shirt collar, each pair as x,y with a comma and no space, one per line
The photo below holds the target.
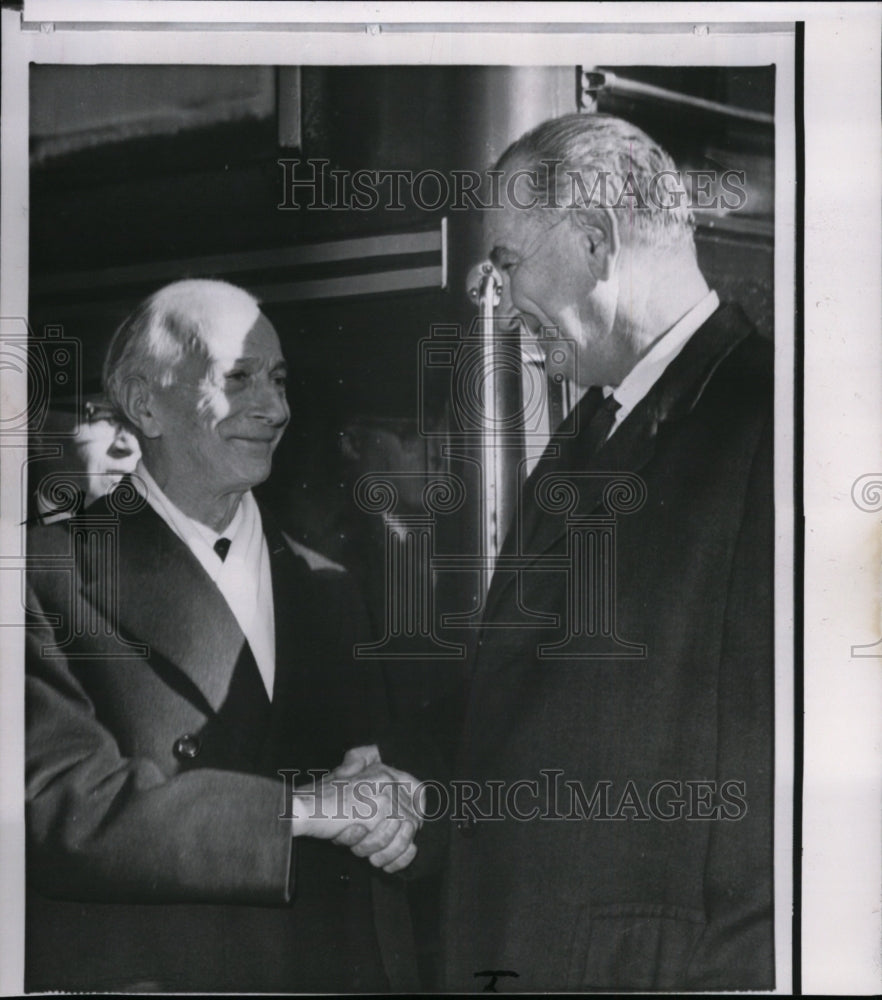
643,376
186,526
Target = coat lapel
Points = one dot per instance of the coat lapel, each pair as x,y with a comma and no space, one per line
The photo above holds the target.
165,599
287,584
311,699
628,451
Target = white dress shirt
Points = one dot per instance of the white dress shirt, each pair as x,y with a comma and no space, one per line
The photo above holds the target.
648,370
244,577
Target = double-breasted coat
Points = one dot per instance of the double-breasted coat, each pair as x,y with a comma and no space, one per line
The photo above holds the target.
156,856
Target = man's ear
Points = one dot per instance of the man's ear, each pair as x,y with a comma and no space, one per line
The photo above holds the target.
600,231
138,405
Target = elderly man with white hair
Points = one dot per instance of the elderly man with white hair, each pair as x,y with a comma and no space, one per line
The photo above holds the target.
188,666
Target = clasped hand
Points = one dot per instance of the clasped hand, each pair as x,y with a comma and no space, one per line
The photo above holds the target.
363,804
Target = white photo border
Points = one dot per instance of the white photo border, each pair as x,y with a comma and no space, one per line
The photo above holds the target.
841,870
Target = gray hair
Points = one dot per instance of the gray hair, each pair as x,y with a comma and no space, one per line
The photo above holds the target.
608,159
173,323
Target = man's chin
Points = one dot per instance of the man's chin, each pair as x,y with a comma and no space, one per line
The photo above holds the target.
100,485
257,473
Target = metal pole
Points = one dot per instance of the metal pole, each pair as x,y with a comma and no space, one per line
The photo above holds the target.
501,419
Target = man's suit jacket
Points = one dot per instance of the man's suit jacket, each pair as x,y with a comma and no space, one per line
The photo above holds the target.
156,858
627,898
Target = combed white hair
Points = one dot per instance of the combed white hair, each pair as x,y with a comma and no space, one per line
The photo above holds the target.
182,319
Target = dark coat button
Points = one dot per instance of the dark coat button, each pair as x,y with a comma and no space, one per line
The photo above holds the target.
187,747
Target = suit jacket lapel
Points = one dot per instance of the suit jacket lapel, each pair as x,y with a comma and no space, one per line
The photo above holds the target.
164,598
629,450
560,453
287,583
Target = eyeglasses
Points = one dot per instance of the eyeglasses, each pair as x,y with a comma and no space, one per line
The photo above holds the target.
94,412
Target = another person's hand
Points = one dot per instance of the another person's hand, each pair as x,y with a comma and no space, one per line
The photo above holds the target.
390,844
368,806
356,760
365,761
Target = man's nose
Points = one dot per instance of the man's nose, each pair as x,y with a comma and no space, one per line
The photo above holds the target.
123,443
270,404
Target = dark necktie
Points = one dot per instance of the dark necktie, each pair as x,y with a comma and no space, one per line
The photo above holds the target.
222,547
567,446
601,422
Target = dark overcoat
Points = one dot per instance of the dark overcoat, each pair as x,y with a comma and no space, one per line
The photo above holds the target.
657,703
156,858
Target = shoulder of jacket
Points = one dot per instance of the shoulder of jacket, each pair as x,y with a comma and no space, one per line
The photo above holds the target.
49,539
746,373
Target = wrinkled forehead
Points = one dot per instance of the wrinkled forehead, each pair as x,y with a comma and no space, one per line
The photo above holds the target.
516,217
235,336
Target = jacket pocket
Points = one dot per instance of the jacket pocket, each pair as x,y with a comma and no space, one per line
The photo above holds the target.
644,946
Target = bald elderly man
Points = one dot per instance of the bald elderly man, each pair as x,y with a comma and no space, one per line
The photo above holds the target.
187,666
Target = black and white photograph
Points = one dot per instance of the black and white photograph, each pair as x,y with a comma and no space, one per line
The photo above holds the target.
412,502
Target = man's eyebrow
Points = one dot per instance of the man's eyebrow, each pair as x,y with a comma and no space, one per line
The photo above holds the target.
250,360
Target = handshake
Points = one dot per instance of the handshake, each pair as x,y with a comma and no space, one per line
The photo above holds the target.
365,805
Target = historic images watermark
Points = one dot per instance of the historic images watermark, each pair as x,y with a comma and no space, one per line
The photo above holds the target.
586,506
549,797
51,363
312,185
866,494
